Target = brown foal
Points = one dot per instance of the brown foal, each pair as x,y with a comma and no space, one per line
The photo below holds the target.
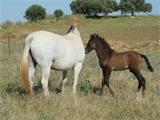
110,60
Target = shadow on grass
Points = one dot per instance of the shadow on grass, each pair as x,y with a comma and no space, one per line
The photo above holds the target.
15,88
96,90
109,16
95,17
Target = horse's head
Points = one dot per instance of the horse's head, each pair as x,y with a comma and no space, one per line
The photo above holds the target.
91,43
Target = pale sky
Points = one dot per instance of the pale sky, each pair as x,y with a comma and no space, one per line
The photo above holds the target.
14,10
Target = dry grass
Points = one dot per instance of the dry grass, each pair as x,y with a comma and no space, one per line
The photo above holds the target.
140,34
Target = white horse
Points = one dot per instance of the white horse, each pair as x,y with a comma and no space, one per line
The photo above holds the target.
52,51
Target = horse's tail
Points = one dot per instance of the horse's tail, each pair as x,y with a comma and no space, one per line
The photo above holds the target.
24,65
148,63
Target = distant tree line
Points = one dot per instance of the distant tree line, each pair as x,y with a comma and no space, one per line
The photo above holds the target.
91,8
96,7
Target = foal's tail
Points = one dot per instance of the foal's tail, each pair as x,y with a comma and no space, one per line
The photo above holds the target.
24,65
148,63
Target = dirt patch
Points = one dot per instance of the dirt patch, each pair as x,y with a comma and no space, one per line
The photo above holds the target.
155,42
118,44
76,19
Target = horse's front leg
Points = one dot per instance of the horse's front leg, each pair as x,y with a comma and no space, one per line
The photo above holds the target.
64,80
77,70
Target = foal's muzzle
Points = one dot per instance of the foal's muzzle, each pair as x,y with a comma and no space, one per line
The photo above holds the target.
86,51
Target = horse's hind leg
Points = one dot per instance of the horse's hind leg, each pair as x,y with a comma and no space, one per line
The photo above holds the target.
44,81
106,74
77,70
141,80
32,68
64,80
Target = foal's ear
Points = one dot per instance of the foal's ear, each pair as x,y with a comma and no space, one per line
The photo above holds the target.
93,35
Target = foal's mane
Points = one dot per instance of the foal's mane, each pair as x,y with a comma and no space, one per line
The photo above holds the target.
102,41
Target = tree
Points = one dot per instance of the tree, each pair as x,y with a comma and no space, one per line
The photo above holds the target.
132,6
93,7
147,7
79,6
127,7
108,6
58,14
35,12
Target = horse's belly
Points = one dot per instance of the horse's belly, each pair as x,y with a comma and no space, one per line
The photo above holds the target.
62,64
68,61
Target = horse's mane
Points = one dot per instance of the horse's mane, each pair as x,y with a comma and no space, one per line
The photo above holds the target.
102,41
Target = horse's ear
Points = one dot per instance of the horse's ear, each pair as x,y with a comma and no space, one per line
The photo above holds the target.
72,28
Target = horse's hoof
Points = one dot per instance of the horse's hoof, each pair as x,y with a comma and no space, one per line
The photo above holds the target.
46,93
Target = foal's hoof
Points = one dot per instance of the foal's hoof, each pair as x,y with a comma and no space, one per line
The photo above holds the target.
143,93
101,93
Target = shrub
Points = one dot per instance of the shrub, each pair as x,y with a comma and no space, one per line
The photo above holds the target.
85,86
35,12
58,14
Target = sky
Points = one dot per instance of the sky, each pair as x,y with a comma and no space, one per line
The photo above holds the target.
14,10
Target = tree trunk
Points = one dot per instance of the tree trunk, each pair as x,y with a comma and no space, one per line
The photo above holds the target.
121,12
132,13
106,14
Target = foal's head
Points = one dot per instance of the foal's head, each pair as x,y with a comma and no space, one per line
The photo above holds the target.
91,43
98,43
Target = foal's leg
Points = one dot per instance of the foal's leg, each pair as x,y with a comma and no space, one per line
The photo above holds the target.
77,70
44,81
106,76
102,89
64,80
140,79
143,82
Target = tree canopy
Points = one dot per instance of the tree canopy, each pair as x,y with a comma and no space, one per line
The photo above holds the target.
94,7
58,14
35,12
132,6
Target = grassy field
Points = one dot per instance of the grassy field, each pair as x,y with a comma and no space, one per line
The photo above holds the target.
139,33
